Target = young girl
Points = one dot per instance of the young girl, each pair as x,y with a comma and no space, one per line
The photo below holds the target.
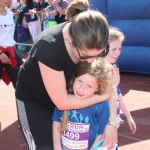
116,38
84,126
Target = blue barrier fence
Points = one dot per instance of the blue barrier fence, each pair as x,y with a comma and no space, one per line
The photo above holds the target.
133,18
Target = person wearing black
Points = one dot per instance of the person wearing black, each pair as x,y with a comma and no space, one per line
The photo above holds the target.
43,77
38,9
10,62
39,6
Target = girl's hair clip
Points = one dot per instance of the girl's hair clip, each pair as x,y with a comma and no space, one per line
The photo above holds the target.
84,9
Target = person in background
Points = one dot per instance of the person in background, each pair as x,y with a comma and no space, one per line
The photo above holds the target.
61,6
22,34
31,19
49,15
14,4
116,37
49,10
42,80
9,64
89,79
40,5
39,10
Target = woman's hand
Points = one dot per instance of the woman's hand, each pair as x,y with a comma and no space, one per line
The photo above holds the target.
114,78
117,76
110,136
4,59
131,124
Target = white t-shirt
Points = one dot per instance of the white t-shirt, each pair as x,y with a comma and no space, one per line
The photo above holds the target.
7,29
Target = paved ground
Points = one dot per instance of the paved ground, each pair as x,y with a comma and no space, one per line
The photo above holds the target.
136,91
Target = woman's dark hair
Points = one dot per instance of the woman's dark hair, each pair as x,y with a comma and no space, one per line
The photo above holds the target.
89,28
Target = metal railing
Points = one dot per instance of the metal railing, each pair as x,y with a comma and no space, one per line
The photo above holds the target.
24,44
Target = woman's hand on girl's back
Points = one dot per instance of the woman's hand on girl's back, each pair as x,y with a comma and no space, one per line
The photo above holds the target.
114,77
117,76
110,136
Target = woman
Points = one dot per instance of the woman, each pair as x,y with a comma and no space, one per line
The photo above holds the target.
42,80
9,66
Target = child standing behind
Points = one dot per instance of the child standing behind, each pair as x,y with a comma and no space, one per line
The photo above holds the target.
82,128
116,38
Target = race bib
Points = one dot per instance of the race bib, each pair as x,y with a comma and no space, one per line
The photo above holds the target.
76,136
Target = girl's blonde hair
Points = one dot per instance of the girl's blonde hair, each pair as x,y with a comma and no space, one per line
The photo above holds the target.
115,34
88,28
99,69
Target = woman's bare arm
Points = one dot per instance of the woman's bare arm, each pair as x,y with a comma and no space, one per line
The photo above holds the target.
55,85
110,132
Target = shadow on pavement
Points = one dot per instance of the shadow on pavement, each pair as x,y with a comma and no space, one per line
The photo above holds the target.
133,81
12,138
142,119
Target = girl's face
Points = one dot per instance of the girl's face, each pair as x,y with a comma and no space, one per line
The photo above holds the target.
114,51
85,86
4,3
